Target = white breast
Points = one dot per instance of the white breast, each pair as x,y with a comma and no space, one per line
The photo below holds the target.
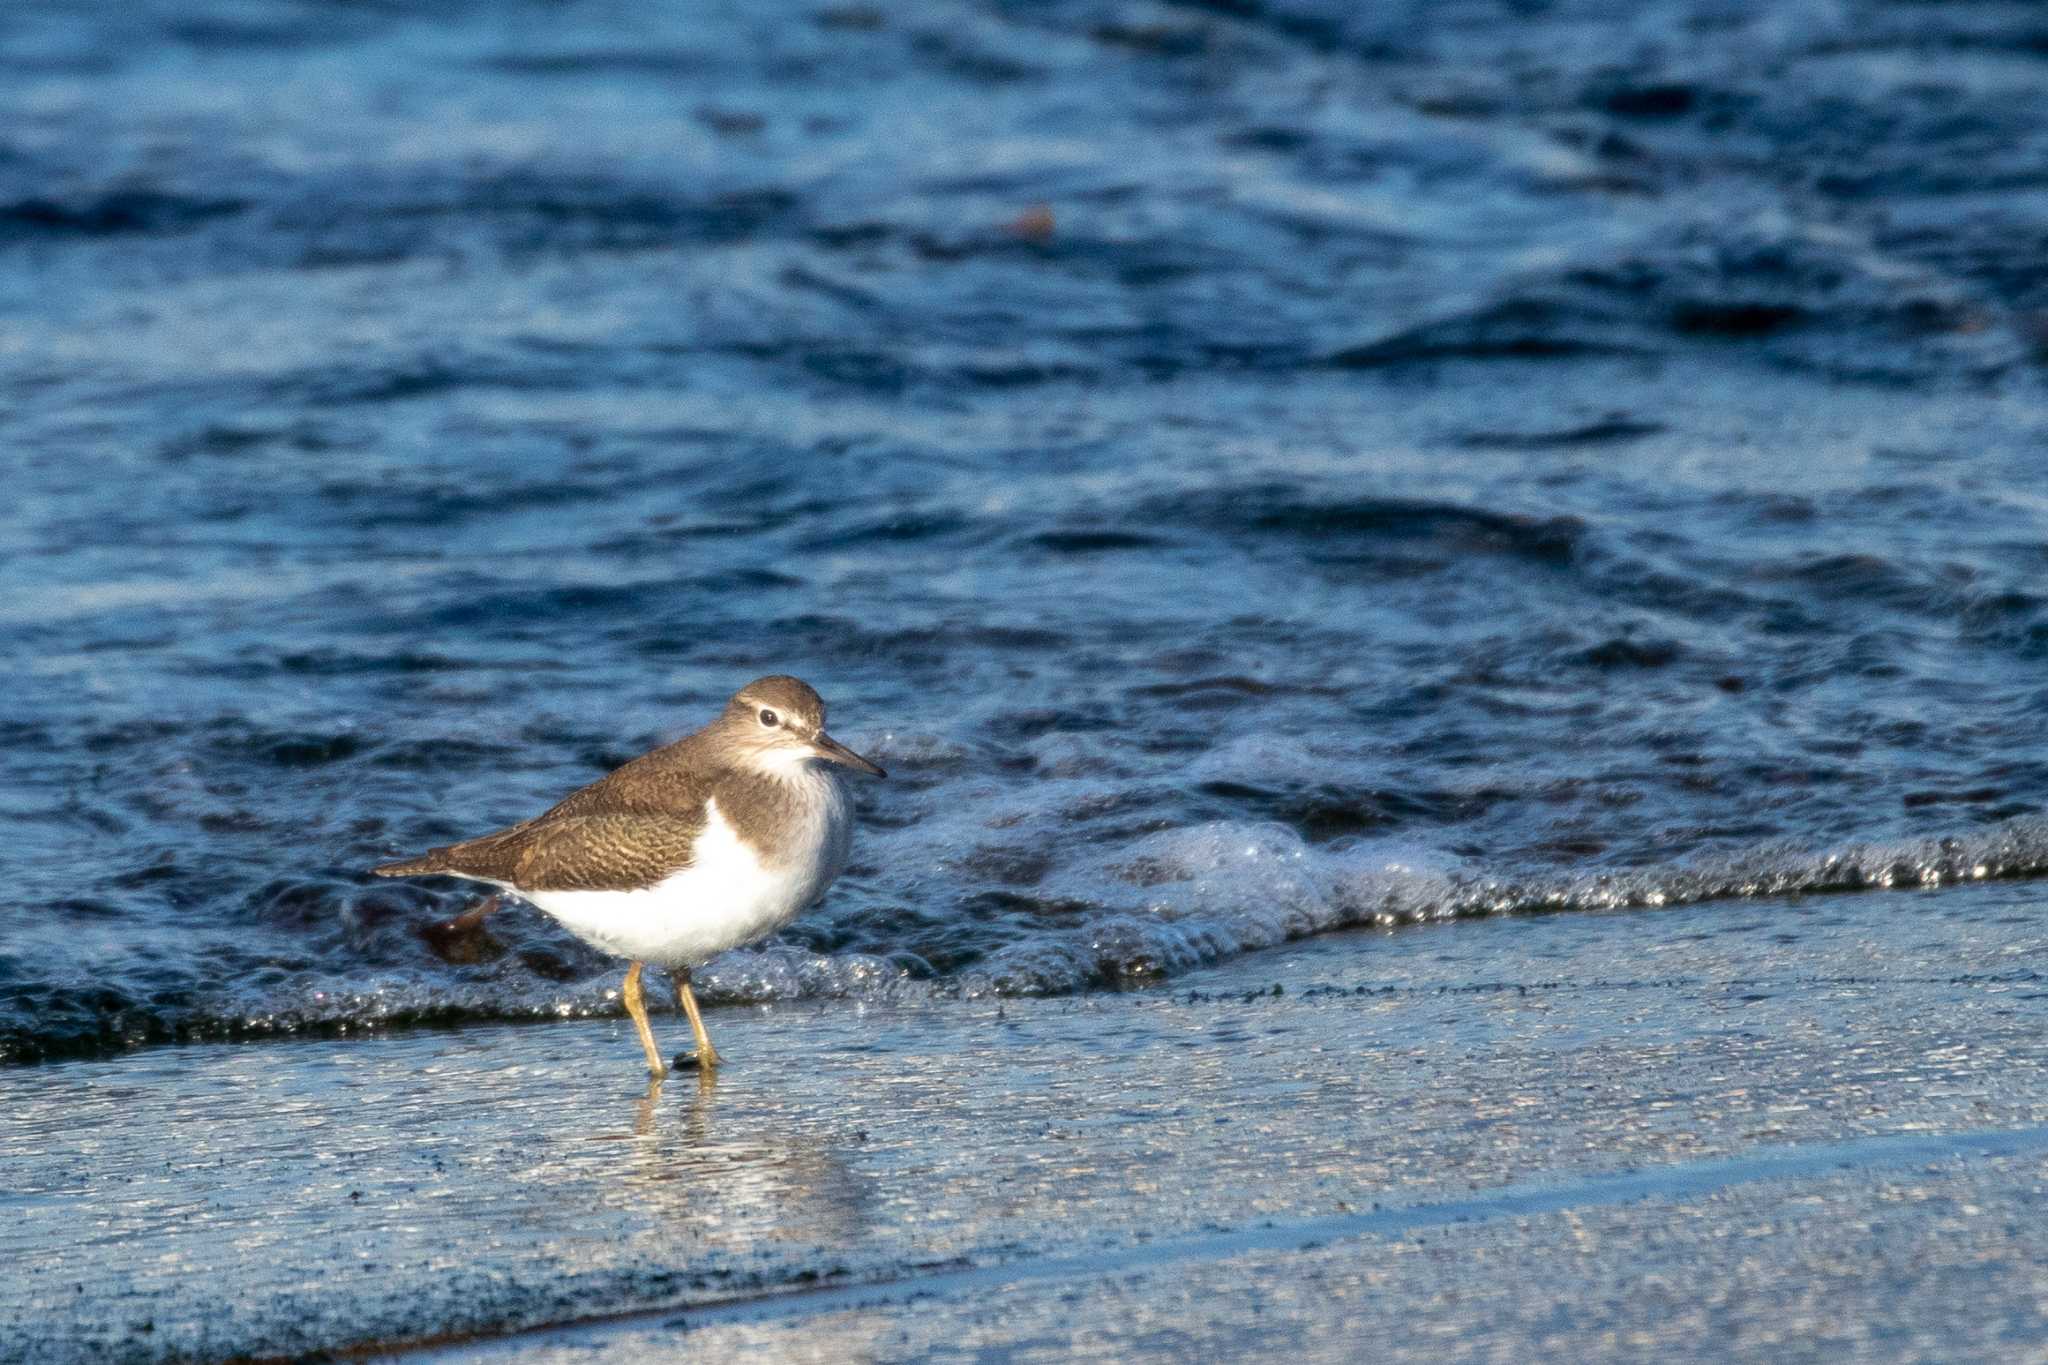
729,895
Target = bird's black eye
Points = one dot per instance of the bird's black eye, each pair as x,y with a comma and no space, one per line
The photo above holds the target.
769,717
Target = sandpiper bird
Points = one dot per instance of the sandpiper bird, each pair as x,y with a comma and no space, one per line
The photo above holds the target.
702,845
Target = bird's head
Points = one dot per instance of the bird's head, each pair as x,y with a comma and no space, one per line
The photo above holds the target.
777,723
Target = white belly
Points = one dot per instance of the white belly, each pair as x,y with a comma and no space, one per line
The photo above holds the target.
728,895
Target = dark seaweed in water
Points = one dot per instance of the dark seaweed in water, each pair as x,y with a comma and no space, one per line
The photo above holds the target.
1419,461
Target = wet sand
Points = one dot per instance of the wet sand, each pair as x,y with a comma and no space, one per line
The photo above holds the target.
1757,1130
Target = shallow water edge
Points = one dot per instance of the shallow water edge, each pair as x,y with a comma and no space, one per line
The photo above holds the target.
496,1179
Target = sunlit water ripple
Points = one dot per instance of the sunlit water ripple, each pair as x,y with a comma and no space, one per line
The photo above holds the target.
1453,461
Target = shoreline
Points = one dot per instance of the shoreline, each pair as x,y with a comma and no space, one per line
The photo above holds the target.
1414,1137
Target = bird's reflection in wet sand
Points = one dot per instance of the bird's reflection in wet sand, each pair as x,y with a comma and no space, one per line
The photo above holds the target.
710,1160
644,1112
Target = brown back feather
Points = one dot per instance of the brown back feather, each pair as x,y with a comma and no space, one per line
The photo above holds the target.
630,828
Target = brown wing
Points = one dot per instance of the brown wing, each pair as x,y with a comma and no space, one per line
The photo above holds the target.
675,777
655,803
615,852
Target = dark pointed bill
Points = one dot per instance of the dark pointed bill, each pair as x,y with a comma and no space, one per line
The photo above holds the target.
832,750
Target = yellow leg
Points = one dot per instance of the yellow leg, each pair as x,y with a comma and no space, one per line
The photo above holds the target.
707,1055
637,1007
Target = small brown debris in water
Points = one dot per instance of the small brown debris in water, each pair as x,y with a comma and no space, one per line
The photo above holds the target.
1034,224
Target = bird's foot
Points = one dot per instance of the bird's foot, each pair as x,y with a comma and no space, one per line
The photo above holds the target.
697,1061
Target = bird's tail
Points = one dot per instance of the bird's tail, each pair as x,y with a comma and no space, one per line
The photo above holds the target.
424,865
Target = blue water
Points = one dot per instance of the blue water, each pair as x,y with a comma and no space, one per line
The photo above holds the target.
1246,470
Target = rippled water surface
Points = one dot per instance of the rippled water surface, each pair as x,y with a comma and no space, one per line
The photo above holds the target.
1245,469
